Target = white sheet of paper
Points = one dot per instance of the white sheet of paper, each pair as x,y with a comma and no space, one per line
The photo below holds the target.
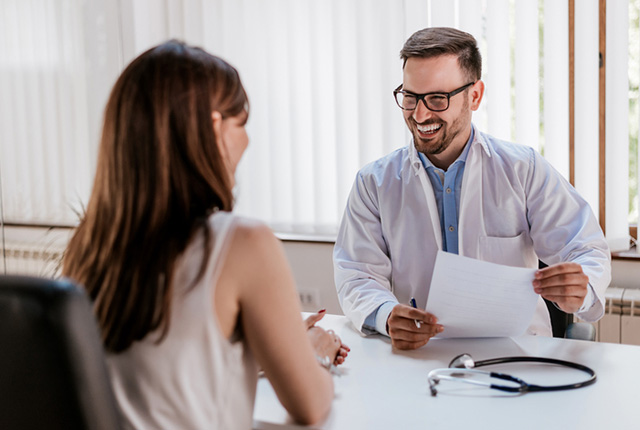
473,298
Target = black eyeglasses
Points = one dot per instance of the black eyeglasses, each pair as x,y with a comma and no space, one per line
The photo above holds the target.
436,102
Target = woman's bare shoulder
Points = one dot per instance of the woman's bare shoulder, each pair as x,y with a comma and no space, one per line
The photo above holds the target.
253,238
255,257
249,229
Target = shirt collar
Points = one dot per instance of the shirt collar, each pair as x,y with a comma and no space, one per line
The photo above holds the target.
478,139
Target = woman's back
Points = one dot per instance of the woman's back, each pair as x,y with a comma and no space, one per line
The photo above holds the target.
184,300
195,378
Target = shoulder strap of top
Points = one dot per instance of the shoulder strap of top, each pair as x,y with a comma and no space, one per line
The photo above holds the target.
221,226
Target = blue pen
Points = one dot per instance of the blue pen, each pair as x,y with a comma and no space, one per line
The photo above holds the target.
412,303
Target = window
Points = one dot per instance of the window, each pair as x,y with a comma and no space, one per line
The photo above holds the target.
634,109
320,77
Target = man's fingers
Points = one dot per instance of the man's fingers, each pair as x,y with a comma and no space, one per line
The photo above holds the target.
564,279
565,300
405,330
399,323
406,345
414,334
563,291
556,269
576,287
408,312
567,304
561,280
405,333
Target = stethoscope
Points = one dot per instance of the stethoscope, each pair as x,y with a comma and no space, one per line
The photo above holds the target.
464,361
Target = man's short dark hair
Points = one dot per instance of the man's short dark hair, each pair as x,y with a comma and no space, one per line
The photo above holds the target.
436,41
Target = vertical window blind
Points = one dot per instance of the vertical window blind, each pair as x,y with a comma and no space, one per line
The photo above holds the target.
586,101
45,153
617,124
319,76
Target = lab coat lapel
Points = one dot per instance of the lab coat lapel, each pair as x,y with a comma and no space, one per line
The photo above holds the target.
471,216
434,216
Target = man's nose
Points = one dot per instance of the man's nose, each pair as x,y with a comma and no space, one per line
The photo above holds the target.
421,113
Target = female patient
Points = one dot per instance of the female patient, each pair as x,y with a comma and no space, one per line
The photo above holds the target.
188,296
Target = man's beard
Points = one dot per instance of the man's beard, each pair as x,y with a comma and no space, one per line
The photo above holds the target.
437,145
430,146
446,135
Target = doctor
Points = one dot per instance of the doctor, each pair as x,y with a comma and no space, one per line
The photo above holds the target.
457,189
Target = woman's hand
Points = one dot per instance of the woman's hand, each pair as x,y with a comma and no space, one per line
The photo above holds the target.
312,319
342,352
325,343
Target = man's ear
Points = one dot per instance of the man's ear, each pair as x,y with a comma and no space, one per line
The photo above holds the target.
476,93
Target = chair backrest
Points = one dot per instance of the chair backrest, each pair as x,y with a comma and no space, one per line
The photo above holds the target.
560,320
52,367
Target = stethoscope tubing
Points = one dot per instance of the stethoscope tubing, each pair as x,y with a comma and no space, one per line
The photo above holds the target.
521,386
525,387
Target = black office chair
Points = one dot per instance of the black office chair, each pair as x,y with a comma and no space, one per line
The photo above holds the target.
562,324
52,369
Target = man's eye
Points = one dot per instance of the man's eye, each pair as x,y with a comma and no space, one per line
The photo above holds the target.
408,100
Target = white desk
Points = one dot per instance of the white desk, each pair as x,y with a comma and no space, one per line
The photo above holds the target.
384,389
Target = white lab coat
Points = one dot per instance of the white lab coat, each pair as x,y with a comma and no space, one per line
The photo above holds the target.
515,208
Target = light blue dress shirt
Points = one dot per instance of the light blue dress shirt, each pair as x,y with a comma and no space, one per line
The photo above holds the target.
446,188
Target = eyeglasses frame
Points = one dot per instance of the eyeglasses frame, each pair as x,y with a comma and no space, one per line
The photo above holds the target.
422,96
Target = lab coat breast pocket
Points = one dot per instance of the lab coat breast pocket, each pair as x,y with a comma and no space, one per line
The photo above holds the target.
511,251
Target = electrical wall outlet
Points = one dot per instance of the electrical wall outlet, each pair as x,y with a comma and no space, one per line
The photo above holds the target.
309,299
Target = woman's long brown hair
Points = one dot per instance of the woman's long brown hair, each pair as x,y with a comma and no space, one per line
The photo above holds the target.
159,174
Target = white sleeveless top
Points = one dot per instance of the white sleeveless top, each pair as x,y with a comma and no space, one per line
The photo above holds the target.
195,378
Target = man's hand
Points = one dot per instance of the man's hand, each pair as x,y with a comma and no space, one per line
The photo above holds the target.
563,283
404,331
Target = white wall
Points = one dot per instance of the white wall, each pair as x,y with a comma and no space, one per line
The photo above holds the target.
312,266
625,274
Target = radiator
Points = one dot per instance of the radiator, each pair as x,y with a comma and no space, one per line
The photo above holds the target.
621,320
33,251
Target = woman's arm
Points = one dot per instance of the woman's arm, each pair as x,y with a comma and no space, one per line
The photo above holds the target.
256,272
